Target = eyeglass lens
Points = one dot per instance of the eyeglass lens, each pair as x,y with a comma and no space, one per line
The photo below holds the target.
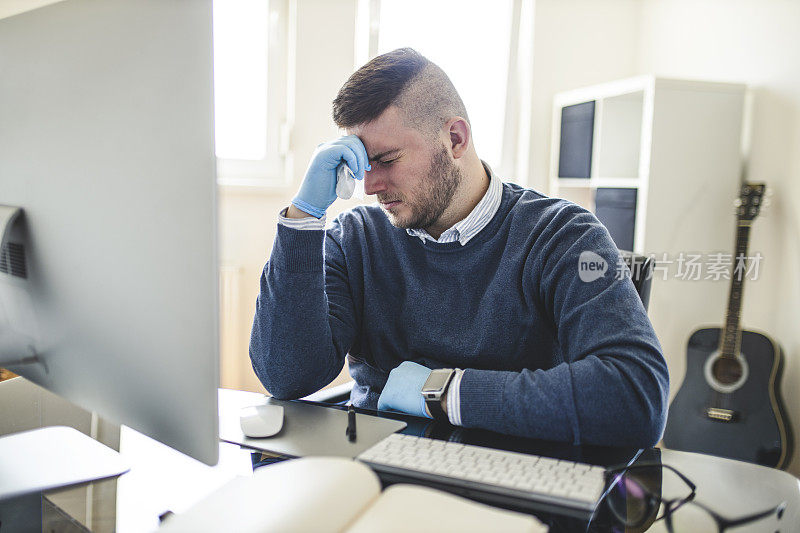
635,495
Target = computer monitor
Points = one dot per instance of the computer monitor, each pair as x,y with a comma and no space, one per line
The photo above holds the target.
107,146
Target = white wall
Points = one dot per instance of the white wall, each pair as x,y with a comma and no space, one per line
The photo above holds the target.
755,42
576,43
248,219
10,8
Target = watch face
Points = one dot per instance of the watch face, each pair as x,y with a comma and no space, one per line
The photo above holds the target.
436,381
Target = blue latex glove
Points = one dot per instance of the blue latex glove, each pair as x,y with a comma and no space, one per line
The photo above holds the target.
318,190
403,389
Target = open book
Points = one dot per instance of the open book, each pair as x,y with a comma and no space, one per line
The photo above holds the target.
323,494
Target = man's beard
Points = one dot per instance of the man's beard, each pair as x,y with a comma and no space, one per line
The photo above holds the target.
434,195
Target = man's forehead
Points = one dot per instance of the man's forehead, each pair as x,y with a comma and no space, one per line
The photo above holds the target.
386,134
378,146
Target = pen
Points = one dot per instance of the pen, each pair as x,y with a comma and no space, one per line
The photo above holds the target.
351,424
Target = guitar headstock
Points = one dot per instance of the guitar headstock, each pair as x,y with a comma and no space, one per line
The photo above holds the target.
750,200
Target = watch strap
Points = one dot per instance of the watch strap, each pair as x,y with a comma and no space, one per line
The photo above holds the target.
435,407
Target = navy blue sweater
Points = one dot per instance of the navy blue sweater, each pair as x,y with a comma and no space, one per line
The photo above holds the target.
546,354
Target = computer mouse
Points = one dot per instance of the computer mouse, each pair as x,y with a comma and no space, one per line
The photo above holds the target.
259,421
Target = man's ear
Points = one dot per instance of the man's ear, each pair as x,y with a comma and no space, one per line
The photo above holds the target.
460,136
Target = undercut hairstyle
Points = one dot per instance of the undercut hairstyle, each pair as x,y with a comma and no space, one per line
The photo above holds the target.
406,79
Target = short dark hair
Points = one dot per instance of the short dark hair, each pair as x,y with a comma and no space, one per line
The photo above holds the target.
404,78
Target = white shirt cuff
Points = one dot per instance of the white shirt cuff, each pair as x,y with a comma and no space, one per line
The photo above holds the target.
305,223
454,398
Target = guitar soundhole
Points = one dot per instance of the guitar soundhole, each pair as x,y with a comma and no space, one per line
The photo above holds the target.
727,371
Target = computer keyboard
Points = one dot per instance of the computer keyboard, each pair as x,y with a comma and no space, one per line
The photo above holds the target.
507,474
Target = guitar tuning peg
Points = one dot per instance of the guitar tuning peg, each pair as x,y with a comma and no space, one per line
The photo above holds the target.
737,202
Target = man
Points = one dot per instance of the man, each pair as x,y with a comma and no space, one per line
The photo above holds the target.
457,271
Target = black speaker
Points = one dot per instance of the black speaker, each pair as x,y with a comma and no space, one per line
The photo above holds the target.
616,209
577,131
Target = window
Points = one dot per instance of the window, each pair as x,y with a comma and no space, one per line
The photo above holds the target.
250,72
487,35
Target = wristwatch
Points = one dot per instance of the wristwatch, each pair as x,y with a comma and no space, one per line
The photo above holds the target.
435,388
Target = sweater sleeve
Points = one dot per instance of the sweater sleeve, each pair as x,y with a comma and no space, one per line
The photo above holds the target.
610,386
304,321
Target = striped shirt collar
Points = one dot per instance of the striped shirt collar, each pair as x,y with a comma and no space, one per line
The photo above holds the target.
478,218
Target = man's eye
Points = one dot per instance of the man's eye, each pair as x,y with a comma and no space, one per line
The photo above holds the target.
388,162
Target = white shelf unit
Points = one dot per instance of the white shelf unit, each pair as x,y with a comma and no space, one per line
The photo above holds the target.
670,140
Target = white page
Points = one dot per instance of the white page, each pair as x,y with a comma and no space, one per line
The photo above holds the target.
404,508
312,494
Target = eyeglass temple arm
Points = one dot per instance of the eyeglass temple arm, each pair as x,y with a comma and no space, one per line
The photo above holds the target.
778,509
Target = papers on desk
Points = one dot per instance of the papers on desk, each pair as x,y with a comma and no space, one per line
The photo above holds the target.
324,494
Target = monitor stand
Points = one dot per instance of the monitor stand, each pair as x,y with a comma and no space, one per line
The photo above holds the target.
53,457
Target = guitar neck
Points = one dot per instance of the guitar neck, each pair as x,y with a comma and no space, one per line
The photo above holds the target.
731,333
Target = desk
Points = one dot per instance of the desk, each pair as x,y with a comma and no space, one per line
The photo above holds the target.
162,479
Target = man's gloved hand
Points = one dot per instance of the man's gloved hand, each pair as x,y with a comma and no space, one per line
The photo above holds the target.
403,389
318,190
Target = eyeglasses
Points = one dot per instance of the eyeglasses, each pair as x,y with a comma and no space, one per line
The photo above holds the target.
633,502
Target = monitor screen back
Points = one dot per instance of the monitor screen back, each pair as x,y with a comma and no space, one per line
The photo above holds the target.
107,143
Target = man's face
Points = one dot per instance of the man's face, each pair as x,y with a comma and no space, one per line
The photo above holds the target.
412,175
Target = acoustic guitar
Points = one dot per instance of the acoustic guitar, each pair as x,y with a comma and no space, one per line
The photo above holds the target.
730,402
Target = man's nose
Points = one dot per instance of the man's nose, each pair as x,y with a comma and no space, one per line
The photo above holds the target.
374,182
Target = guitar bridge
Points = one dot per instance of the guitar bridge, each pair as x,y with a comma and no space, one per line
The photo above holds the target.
722,415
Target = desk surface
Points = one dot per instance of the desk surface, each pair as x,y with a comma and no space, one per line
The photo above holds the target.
162,479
